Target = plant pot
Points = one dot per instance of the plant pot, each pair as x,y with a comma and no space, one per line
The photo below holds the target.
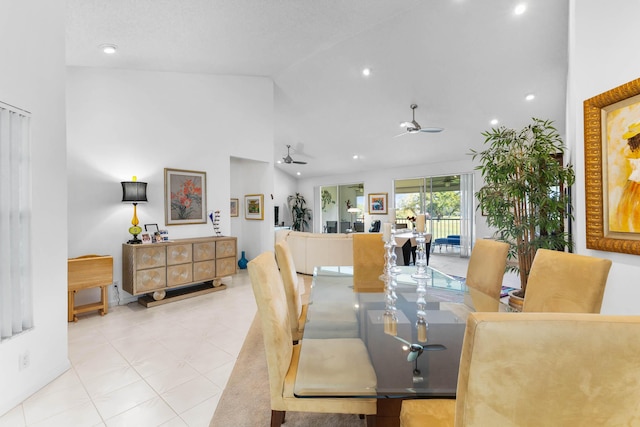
516,299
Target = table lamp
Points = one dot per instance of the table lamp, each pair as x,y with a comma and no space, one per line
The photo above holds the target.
134,192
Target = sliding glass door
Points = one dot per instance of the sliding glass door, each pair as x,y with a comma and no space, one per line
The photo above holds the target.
447,201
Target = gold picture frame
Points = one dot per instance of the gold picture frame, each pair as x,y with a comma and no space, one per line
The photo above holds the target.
185,197
609,120
378,204
254,206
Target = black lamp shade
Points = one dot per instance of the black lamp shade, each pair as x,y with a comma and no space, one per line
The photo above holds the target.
134,191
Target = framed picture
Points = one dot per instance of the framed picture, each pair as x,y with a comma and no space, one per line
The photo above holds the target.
152,228
233,207
185,197
146,237
612,169
254,206
378,203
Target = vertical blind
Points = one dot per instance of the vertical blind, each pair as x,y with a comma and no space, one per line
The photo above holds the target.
16,314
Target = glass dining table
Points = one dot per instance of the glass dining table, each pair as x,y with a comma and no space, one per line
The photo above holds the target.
411,358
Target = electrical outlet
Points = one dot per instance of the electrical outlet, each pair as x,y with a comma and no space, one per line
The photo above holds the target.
24,360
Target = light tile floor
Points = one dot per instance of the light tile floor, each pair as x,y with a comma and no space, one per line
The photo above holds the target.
162,366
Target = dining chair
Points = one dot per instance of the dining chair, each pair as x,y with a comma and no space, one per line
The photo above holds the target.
565,282
540,369
485,273
283,356
368,262
292,287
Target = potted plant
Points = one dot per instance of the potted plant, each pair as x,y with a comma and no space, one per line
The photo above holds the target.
300,213
525,194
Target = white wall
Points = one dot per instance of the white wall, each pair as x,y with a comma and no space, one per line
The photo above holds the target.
285,186
602,55
123,123
32,78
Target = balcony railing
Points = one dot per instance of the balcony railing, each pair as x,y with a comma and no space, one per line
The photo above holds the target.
437,227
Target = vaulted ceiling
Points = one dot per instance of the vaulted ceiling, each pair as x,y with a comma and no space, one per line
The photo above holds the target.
463,62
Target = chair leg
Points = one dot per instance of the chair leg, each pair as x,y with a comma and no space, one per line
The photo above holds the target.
370,421
277,418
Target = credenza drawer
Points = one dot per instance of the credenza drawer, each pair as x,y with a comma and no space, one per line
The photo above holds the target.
226,248
204,251
150,280
149,257
225,267
179,274
204,270
179,254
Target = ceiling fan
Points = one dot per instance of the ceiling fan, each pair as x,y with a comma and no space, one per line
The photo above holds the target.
414,127
289,160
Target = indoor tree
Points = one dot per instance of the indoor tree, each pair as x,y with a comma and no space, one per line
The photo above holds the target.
300,213
525,194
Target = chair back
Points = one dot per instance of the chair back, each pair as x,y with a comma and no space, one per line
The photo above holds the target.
565,282
549,369
332,226
268,290
485,273
290,281
368,262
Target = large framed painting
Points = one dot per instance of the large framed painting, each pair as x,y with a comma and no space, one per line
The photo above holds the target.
612,169
254,206
378,203
185,195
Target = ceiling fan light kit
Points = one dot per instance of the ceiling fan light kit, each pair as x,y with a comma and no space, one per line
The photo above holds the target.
414,127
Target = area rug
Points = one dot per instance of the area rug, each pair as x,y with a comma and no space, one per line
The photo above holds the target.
245,399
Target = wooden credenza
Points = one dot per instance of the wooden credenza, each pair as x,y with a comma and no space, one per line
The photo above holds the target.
157,270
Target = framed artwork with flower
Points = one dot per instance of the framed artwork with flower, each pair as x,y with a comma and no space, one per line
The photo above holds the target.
254,206
185,200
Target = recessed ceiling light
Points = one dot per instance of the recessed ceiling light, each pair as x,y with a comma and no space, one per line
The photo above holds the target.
109,49
298,173
494,122
366,72
279,161
355,157
530,97
520,9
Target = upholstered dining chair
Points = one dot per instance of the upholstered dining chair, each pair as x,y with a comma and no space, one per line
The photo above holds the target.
292,287
283,356
485,273
368,262
565,282
541,369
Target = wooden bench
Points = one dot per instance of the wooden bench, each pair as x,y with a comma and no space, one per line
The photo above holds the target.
86,272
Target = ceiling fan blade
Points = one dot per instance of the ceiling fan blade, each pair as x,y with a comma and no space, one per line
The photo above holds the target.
400,134
431,129
299,163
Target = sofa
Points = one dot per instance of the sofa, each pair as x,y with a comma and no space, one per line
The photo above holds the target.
312,249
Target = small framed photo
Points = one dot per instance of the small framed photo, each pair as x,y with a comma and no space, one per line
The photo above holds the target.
254,206
151,228
146,238
157,237
233,207
378,204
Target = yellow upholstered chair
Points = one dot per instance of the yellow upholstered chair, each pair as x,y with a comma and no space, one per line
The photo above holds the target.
541,369
283,356
564,282
485,273
368,262
297,310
